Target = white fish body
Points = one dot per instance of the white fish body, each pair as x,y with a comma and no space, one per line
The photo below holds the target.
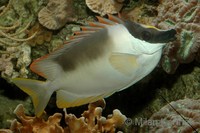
93,68
89,79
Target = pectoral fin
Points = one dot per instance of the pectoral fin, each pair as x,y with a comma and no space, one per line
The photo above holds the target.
124,63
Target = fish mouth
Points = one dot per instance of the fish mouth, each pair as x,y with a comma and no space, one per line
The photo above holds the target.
163,36
168,36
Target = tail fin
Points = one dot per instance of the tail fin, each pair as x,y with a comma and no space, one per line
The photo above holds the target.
37,90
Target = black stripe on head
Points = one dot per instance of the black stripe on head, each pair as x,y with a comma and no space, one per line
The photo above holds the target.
151,35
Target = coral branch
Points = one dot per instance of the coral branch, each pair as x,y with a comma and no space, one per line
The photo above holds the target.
4,42
91,121
10,27
22,30
6,8
16,39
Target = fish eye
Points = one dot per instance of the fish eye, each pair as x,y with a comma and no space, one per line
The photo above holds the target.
146,35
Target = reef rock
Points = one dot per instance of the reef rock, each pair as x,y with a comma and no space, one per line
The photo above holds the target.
186,118
104,7
15,52
56,14
184,16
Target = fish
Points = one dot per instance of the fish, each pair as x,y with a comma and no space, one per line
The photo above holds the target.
104,57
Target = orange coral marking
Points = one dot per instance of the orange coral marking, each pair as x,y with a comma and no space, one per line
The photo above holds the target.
34,66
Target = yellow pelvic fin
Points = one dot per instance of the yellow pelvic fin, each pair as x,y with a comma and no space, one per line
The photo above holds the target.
38,92
65,100
124,63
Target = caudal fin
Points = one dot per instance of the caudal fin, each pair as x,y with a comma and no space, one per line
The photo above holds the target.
37,90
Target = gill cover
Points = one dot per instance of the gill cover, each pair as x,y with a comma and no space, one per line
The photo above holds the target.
149,33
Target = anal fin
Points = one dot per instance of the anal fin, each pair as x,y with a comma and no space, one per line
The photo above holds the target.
65,99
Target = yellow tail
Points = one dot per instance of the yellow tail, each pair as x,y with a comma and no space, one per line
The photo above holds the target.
37,90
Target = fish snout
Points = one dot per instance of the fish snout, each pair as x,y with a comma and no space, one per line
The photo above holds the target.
171,35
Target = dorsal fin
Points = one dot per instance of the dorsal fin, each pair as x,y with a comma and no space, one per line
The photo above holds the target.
79,36
105,21
83,32
96,26
115,19
89,28
39,65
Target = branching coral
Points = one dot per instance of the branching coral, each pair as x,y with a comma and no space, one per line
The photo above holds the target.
15,19
29,124
14,60
184,16
9,38
11,31
91,121
169,121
